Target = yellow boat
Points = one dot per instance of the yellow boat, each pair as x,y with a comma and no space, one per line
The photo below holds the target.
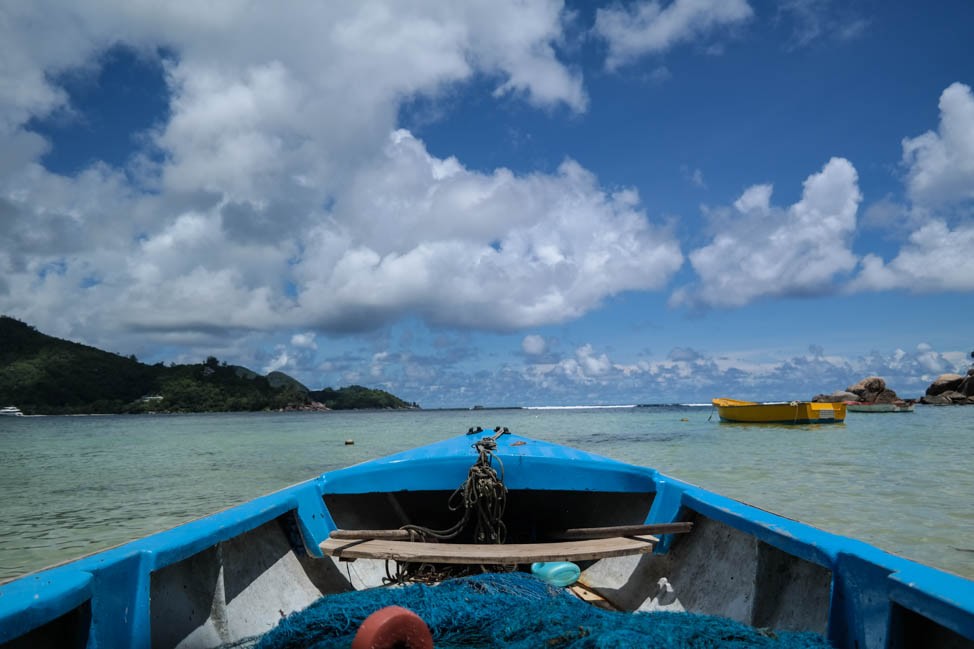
785,412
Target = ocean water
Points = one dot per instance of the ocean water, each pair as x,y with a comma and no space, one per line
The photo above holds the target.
70,486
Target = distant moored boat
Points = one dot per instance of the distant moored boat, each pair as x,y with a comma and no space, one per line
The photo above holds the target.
785,412
872,406
11,411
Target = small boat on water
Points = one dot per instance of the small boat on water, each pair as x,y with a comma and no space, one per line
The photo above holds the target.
11,411
872,406
784,412
634,539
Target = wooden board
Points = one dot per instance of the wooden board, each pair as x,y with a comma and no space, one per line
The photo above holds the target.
507,554
625,530
589,596
573,534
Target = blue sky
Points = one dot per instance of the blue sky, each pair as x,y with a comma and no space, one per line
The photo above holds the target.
498,203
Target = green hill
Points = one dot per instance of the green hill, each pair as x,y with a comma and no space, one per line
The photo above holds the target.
41,374
355,397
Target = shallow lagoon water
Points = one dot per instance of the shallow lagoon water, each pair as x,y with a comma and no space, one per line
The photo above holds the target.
75,485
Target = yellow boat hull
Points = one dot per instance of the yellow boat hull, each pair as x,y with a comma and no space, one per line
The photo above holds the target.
793,412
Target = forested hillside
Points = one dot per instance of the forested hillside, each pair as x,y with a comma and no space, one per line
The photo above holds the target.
41,374
355,397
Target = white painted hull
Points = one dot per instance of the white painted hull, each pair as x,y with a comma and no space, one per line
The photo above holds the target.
879,407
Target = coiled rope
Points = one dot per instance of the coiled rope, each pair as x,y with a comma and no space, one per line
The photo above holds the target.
482,497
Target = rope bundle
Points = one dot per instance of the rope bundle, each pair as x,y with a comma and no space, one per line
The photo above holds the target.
482,497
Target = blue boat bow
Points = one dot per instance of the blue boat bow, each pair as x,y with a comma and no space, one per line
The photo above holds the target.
232,575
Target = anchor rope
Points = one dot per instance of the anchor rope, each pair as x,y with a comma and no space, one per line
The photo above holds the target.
482,497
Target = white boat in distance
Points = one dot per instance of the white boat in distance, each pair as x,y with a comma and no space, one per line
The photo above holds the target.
871,406
12,411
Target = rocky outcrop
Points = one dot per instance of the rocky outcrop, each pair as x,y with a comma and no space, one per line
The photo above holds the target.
311,406
870,384
951,389
945,382
967,385
946,390
871,389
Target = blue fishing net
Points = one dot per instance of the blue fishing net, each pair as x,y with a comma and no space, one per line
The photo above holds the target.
518,611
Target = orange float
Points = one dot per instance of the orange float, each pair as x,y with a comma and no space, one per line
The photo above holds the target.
393,627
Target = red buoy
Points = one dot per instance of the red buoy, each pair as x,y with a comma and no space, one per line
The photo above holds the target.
393,627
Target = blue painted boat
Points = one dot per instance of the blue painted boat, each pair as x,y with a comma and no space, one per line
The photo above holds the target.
233,575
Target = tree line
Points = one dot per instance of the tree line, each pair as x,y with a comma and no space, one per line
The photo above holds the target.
42,374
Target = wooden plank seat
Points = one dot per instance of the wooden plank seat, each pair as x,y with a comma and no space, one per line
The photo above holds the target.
476,553
394,544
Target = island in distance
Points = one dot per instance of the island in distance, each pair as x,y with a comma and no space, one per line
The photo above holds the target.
44,375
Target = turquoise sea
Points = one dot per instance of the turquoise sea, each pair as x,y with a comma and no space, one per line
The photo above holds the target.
70,486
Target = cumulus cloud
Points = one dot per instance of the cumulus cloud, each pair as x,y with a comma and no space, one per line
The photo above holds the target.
762,251
932,362
755,200
304,340
936,255
418,234
940,166
277,191
647,27
935,258
585,367
590,363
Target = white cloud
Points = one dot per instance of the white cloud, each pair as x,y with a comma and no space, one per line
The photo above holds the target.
277,363
931,362
592,364
940,181
417,234
647,27
762,251
756,198
304,340
585,368
274,150
517,41
935,258
940,166
534,345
